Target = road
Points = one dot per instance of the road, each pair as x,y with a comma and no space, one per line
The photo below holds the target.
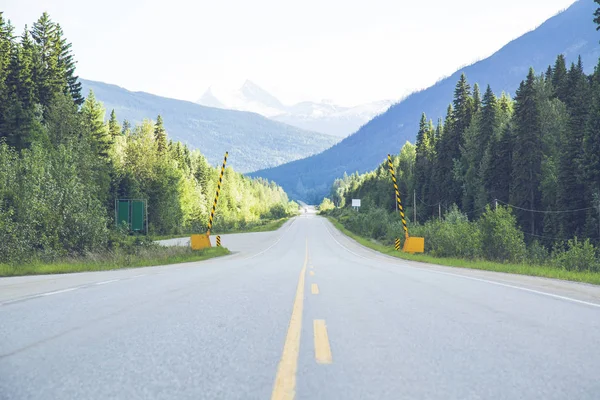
305,313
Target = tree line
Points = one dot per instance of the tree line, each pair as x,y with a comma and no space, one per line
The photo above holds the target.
538,153
62,165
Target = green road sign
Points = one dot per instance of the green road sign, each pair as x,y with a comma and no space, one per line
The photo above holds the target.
137,216
132,212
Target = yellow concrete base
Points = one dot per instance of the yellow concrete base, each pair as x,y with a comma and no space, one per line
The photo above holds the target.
200,242
414,245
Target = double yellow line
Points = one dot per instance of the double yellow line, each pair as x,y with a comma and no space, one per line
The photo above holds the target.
285,380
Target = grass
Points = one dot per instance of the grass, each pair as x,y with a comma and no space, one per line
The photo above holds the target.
269,226
143,257
263,226
521,269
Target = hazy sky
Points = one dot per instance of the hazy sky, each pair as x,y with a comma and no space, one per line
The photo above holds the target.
344,50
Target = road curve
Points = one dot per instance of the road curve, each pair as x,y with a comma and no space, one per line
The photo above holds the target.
304,313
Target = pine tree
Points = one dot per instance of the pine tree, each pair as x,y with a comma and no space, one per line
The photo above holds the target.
527,157
489,120
591,155
22,122
66,65
46,69
160,136
443,178
439,131
505,104
422,134
186,157
497,165
92,112
126,127
6,47
113,126
559,78
465,169
453,140
422,163
54,70
463,107
571,189
553,125
549,74
482,156
476,98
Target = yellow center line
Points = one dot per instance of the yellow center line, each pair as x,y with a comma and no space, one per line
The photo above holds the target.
285,381
322,349
314,288
312,273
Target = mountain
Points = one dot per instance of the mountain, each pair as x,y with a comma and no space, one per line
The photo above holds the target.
325,117
253,141
570,32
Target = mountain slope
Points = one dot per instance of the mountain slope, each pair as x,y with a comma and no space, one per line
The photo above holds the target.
324,117
571,33
252,140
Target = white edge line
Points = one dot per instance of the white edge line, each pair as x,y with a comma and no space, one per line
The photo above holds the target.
57,292
556,296
105,282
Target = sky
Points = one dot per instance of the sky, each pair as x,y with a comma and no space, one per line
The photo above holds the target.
346,51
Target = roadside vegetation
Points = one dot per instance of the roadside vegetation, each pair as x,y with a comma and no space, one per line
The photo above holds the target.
259,226
63,164
502,184
138,256
579,261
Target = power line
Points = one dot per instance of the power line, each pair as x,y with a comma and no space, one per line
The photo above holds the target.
556,238
547,211
427,205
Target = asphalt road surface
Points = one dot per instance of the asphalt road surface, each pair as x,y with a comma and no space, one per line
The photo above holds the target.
301,313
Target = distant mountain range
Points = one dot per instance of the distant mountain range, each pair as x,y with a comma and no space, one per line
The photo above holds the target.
571,33
253,141
325,117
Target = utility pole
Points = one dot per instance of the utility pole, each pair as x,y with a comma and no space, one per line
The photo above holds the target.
440,211
597,198
415,205
496,201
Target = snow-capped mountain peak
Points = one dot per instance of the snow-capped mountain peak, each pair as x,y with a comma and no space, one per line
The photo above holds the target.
255,93
210,100
324,116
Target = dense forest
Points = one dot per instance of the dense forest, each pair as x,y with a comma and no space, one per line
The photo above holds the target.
62,165
537,156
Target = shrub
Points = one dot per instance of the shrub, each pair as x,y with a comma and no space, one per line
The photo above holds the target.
455,236
278,211
537,254
326,205
579,256
501,239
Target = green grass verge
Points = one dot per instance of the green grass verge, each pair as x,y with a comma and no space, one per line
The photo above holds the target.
269,226
144,257
166,237
521,269
264,226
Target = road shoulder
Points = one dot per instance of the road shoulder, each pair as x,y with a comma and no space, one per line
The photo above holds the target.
584,292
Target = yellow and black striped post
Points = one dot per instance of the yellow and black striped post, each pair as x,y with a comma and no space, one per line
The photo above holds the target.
218,241
397,245
214,207
391,166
